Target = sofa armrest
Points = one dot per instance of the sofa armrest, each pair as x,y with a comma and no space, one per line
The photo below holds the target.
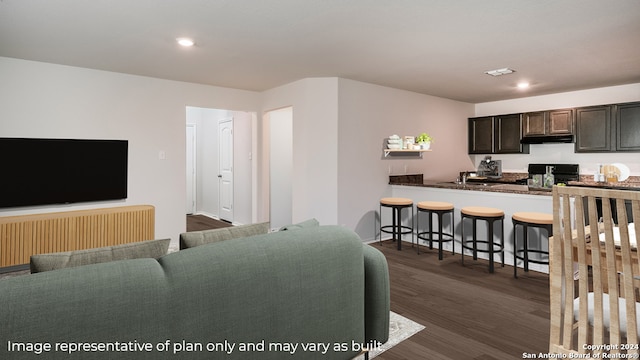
377,295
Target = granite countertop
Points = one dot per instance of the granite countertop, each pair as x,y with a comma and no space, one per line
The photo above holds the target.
632,183
477,186
509,184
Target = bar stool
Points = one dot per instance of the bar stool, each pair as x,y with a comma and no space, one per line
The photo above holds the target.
396,228
438,208
527,220
490,215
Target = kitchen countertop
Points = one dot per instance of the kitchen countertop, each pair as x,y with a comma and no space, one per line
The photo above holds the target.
477,186
632,183
507,186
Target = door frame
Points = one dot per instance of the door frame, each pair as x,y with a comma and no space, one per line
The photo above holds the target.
225,211
192,164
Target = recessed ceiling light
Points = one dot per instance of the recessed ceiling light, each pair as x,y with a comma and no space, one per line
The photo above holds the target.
186,42
523,85
499,72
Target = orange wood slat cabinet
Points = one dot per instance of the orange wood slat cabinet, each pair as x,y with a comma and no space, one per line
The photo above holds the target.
26,235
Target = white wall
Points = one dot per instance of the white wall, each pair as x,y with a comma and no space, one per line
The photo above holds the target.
243,159
314,185
280,123
46,100
368,114
564,153
339,129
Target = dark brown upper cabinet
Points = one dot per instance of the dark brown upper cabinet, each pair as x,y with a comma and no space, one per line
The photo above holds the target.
481,135
594,129
535,123
627,125
508,135
542,123
602,128
496,135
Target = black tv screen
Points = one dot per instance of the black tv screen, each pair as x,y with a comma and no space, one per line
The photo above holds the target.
61,171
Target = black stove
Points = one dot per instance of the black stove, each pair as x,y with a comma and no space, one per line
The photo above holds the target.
562,173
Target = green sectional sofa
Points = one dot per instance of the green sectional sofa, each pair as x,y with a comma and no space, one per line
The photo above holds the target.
311,293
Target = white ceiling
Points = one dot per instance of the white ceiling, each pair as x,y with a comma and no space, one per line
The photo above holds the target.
436,47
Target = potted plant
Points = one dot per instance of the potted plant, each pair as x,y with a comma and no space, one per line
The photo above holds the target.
424,140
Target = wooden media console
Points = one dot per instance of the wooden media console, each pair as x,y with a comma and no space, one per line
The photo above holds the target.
26,235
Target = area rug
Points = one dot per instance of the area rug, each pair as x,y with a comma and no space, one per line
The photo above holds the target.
400,329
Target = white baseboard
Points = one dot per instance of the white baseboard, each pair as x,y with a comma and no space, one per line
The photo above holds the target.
204,213
216,217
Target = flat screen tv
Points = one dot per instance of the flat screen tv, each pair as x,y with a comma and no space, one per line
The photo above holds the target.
61,171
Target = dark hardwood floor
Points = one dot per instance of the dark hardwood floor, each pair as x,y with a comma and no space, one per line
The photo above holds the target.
468,312
201,222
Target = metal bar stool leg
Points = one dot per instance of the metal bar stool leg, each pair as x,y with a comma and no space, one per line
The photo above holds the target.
453,231
396,226
462,238
440,235
515,251
525,238
502,240
413,228
490,243
418,231
430,230
475,239
380,228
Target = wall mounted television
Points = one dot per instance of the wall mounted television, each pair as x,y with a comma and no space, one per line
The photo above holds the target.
61,171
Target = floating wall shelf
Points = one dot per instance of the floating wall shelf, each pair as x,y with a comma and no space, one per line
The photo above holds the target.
388,152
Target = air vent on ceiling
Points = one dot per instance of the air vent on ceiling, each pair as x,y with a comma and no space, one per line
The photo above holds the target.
499,72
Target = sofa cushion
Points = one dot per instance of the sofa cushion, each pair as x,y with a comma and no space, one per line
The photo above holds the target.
299,286
302,225
143,249
197,238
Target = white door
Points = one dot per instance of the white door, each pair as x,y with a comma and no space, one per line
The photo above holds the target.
191,169
225,174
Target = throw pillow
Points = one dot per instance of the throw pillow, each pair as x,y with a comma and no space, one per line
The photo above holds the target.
197,238
136,250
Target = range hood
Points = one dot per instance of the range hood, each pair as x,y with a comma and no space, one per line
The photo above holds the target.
547,139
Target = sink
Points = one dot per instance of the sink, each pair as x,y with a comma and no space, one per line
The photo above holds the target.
470,184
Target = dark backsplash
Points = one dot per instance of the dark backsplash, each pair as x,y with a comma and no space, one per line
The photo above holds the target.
406,179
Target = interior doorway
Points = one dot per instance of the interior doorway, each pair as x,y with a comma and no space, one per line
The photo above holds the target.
221,140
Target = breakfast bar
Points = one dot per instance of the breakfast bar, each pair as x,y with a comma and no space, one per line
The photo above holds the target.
509,195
